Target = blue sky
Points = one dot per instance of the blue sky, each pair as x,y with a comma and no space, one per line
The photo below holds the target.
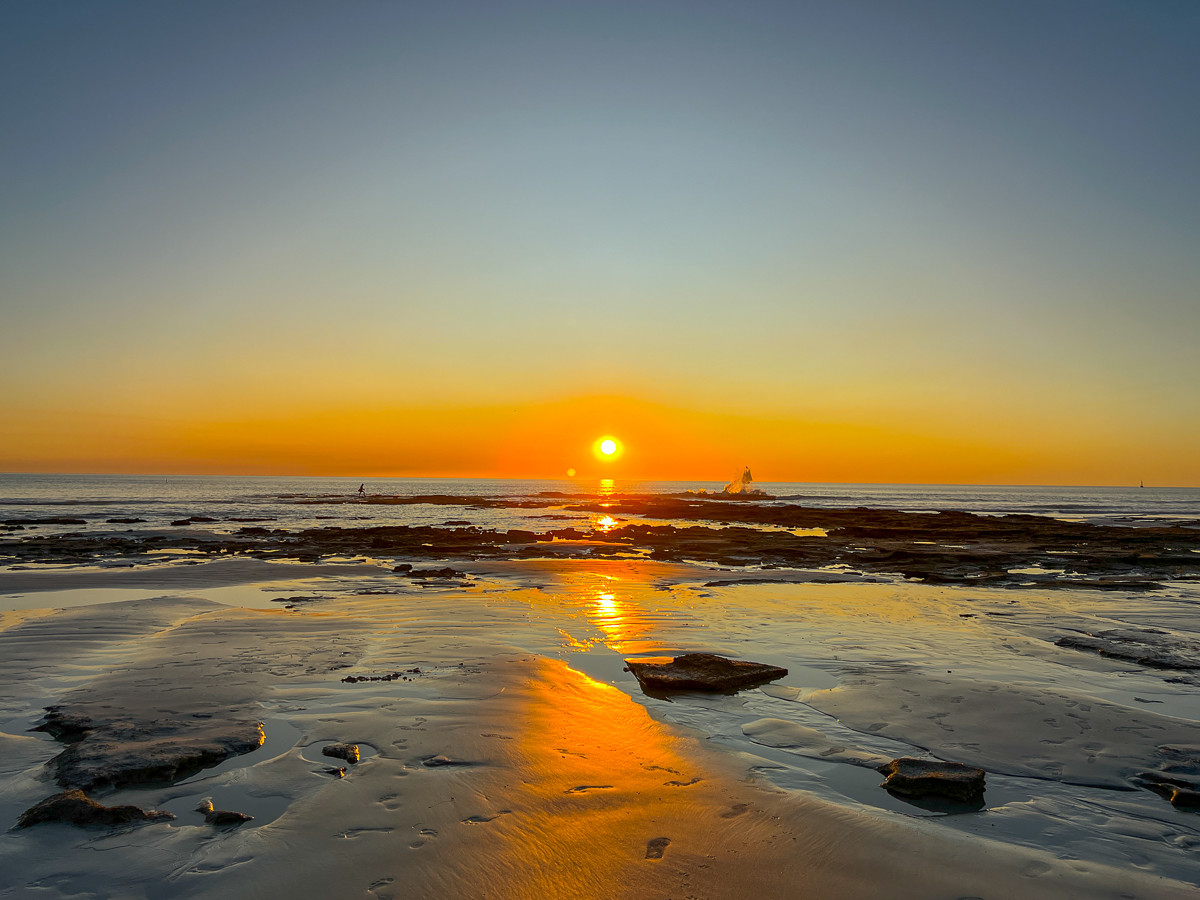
966,222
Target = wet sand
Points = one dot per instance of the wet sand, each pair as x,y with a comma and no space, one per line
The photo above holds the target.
507,754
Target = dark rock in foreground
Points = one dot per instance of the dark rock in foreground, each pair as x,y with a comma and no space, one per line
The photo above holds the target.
221,816
931,778
348,752
76,808
1180,793
702,672
113,753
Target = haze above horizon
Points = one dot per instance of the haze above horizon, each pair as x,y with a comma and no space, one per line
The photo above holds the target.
861,242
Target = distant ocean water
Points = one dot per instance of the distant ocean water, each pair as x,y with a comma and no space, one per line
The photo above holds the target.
288,502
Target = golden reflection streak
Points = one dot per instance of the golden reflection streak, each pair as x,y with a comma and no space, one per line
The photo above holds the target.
625,625
600,780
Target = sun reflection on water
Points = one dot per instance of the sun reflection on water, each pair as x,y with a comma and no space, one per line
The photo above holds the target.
624,625
613,605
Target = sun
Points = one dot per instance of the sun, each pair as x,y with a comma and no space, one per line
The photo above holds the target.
607,448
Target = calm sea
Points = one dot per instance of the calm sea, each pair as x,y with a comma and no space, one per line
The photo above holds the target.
289,502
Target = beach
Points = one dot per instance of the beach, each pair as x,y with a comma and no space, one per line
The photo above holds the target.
506,751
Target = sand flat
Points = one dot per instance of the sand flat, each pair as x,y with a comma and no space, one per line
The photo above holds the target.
507,755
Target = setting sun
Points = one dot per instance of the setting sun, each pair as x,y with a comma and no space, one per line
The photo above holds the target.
607,448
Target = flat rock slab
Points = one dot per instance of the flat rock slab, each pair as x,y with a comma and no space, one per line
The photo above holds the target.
76,808
932,778
701,672
118,751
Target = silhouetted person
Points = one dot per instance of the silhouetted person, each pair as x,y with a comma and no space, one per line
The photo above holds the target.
362,488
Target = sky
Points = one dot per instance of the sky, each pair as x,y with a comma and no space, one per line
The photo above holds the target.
941,242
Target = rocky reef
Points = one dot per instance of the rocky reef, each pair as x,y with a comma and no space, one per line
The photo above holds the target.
947,547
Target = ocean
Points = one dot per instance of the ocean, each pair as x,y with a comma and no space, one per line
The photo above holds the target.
295,503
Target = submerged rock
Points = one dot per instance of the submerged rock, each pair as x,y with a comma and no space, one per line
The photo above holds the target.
348,752
932,778
1147,647
437,762
221,816
76,808
702,672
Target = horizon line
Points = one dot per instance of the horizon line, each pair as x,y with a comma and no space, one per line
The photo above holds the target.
593,478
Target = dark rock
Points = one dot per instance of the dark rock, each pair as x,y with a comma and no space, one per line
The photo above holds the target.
348,752
1185,798
336,771
76,808
221,817
403,567
446,572
520,536
1179,792
458,522
702,672
124,521
179,522
254,531
390,676
125,751
932,778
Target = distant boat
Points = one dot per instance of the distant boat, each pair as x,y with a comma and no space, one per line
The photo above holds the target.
1141,484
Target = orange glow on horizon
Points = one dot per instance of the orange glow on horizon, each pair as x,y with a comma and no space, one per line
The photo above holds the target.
546,439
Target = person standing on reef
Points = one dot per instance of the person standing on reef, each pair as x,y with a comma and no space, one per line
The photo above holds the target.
362,489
